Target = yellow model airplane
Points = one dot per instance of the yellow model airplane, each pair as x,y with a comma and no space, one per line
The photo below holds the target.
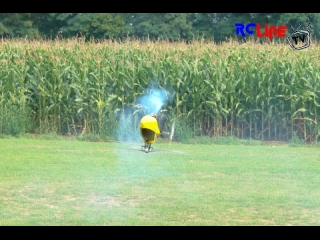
150,129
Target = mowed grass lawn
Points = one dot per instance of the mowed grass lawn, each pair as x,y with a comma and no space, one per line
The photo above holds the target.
61,182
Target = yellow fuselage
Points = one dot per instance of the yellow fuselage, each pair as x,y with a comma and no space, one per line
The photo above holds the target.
149,129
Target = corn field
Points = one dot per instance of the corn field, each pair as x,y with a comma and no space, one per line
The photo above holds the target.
247,90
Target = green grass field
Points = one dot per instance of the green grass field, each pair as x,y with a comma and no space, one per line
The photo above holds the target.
62,182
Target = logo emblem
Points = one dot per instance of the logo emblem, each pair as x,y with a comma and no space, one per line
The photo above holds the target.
299,39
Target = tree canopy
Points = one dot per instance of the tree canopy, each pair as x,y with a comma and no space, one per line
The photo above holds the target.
172,26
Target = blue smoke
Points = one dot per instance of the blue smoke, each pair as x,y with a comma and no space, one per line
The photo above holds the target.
154,100
128,127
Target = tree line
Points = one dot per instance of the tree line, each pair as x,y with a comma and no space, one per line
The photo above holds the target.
154,26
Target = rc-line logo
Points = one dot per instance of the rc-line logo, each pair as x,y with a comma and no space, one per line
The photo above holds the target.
269,32
298,40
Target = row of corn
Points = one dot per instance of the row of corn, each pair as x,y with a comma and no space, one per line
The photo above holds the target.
248,90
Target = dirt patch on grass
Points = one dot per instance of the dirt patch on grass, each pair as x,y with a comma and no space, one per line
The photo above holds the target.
115,201
276,143
108,201
70,198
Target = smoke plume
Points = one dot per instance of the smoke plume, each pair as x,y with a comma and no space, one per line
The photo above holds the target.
128,122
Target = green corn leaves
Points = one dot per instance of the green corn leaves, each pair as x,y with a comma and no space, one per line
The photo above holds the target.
248,90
